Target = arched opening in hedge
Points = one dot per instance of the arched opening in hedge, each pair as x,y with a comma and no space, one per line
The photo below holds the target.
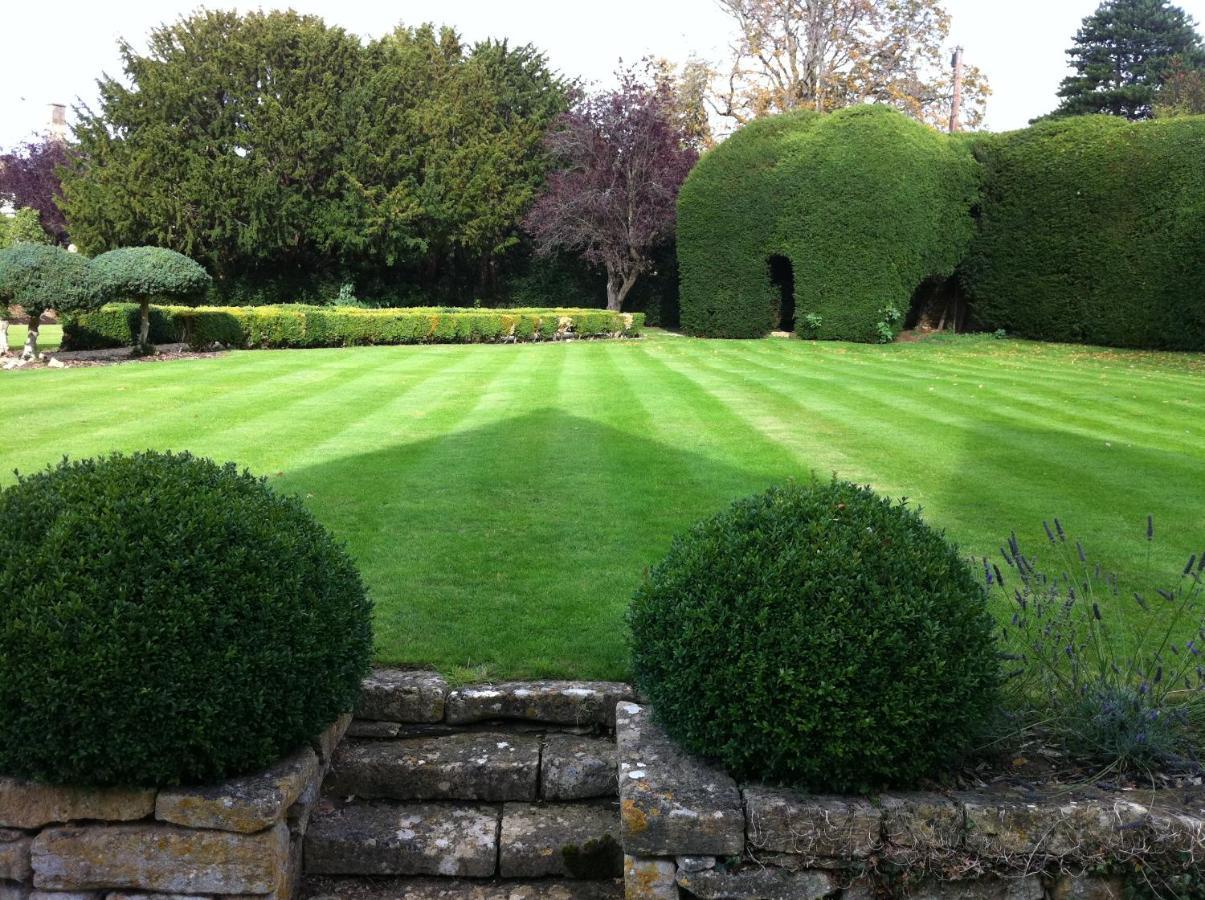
782,276
938,304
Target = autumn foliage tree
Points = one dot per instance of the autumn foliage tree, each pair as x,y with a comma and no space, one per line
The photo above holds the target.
623,156
828,54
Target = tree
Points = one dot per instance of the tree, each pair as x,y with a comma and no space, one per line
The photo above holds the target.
282,154
441,184
143,274
624,155
23,227
1182,92
29,177
38,277
222,142
1122,53
827,54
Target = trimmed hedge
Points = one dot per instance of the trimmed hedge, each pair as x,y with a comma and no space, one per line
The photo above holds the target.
164,619
1093,230
39,277
817,635
864,202
116,325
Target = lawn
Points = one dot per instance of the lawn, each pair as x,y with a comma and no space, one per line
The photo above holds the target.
503,500
48,337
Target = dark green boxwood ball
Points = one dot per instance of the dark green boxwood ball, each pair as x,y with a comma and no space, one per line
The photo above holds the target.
820,636
164,619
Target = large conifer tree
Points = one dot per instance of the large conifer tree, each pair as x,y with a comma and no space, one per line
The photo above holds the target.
1122,54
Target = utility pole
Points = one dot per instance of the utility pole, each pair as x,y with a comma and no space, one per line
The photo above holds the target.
956,103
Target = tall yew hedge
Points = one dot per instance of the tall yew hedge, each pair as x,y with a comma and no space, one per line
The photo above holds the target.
865,203
1093,230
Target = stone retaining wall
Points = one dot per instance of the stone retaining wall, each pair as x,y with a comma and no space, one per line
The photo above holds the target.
689,830
242,838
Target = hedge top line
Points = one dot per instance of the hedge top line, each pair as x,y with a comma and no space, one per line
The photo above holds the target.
115,325
1081,229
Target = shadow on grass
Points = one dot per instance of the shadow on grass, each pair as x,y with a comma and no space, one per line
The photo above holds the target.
511,550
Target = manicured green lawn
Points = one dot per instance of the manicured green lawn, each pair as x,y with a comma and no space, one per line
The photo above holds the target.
503,500
48,337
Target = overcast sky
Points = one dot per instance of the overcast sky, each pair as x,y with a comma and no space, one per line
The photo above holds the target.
53,52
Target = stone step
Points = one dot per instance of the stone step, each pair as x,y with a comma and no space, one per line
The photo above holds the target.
467,766
568,840
408,697
514,840
385,838
324,888
493,766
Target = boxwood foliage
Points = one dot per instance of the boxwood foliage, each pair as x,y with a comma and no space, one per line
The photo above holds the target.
165,619
39,277
864,202
817,635
296,325
1092,230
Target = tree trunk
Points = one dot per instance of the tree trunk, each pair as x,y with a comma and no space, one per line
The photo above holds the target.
31,338
144,327
618,289
3,337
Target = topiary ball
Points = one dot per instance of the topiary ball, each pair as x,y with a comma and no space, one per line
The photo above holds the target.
164,619
817,635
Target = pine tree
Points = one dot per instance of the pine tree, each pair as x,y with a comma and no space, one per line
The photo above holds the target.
1122,54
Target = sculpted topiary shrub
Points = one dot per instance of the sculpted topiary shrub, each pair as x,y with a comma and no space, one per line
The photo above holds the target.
146,274
39,277
165,619
860,206
817,635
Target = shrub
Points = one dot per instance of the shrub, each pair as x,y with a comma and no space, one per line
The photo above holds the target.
144,274
23,227
816,635
165,619
864,203
1115,677
39,277
116,325
1091,231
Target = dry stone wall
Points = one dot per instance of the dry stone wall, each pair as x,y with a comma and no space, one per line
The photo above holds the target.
242,838
689,830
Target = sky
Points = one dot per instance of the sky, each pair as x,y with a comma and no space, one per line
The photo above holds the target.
53,52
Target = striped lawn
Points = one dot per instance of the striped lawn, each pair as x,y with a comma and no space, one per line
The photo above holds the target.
503,500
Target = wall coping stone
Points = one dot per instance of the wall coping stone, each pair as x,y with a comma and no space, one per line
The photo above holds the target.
32,804
246,804
672,804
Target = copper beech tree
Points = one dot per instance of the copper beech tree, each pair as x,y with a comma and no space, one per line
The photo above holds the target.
622,156
827,54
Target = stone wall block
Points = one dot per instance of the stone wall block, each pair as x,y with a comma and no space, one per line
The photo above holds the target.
649,879
160,858
30,804
672,804
811,826
247,804
14,855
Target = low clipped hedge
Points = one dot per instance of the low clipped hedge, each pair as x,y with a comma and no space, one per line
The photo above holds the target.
1092,231
116,325
164,619
820,636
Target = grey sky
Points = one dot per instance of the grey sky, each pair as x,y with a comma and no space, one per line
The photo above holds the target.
54,51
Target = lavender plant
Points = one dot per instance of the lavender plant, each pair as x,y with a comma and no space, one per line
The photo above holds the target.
1114,686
